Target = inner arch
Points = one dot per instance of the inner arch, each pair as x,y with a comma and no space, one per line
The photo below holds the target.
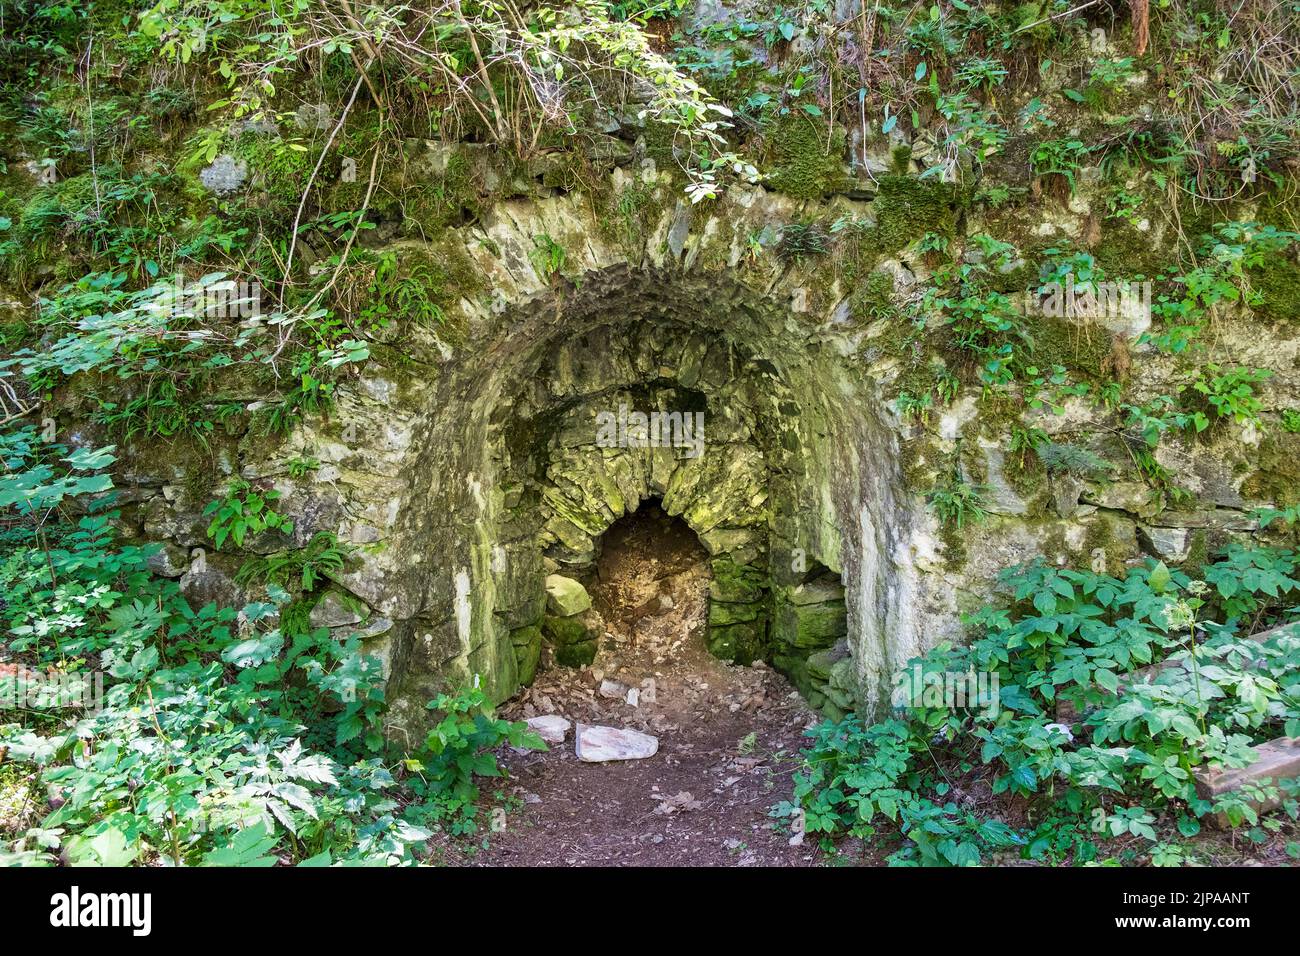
651,584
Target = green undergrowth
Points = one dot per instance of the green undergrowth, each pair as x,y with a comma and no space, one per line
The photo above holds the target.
157,733
1088,703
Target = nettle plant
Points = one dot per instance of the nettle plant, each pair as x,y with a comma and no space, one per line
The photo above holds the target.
1094,739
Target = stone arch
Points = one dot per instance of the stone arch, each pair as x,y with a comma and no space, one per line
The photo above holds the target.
460,572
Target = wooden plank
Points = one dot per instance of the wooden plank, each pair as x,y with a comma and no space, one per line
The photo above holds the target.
1274,760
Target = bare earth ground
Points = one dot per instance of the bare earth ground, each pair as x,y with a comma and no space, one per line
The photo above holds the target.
726,733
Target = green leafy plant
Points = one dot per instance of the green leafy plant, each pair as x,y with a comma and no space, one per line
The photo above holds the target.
459,749
244,511
1026,441
1104,80
1058,158
395,296
291,716
956,503
301,466
1078,642
303,568
1231,394
548,256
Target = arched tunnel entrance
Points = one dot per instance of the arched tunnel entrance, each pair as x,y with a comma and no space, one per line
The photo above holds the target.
654,593
631,388
723,730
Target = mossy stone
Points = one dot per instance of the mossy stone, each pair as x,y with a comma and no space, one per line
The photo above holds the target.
1126,252
527,642
831,712
1277,473
811,625
736,583
581,654
795,667
1086,350
497,668
742,643
562,631
565,596
821,662
721,614
803,160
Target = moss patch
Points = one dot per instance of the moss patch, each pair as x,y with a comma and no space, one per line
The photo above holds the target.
1126,252
802,160
873,298
1277,477
1277,283
907,208
1080,348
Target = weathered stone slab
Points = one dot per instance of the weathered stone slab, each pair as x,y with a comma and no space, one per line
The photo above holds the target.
602,744
333,611
550,727
1168,544
817,592
1275,760
612,689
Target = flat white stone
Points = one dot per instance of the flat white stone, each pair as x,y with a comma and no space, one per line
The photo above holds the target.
550,727
612,689
601,744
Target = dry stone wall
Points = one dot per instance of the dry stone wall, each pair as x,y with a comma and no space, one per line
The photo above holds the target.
463,463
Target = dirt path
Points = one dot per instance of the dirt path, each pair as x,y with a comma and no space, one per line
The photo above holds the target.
726,733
